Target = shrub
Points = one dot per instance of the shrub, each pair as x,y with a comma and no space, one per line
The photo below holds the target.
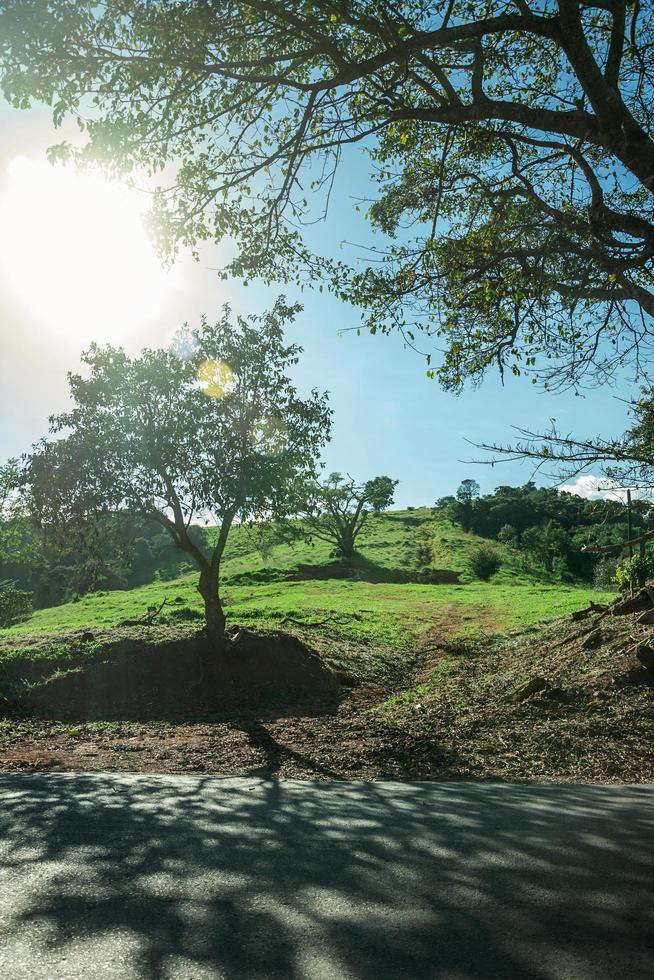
484,562
604,574
184,614
640,568
15,604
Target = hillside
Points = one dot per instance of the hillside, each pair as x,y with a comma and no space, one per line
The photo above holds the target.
380,603
376,675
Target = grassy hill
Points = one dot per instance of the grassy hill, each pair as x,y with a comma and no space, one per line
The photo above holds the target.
409,679
377,605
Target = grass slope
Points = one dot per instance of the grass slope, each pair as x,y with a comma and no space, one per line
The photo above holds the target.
371,608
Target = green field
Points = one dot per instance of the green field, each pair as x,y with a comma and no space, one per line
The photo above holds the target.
375,607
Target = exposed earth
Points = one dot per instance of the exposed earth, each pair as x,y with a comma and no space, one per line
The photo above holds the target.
565,701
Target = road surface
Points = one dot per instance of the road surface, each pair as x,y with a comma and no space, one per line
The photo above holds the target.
177,877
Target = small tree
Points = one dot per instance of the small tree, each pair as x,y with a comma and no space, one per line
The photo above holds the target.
15,604
212,429
638,569
466,495
340,508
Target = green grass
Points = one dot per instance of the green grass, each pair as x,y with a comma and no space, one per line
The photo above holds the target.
411,695
372,608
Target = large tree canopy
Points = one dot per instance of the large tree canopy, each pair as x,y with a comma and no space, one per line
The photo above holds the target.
212,430
511,144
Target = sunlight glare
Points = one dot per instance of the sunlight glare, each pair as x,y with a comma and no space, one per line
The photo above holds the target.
76,253
216,379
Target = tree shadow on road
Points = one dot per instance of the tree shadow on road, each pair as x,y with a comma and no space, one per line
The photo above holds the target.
197,877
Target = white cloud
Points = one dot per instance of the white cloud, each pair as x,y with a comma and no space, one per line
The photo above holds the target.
595,488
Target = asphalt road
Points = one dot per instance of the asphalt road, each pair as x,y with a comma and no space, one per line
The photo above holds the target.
109,876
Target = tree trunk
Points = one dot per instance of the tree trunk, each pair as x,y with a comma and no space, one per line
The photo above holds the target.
213,611
347,546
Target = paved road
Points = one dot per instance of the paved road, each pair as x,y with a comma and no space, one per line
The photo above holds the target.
113,876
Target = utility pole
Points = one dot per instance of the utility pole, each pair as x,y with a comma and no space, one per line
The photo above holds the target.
630,543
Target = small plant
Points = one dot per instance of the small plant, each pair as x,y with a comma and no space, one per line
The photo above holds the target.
484,562
604,574
15,604
638,570
184,614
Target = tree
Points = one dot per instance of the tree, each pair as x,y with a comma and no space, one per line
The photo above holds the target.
515,140
19,544
211,429
548,544
466,495
15,604
340,508
16,542
625,461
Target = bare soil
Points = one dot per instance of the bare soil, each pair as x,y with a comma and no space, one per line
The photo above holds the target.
184,676
564,702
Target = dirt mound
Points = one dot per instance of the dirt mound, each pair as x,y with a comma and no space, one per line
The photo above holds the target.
257,661
185,677
625,627
307,572
439,576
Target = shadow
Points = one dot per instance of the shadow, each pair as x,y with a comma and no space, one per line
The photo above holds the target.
276,754
270,673
410,520
365,570
162,877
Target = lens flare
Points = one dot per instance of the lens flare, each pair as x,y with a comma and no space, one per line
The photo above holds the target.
216,378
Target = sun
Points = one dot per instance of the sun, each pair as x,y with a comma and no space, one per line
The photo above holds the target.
75,252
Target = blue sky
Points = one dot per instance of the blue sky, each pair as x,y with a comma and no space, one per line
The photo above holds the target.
389,417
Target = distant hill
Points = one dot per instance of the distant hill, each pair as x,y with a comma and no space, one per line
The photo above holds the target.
390,597
397,546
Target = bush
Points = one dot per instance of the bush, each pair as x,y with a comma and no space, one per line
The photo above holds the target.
184,614
507,534
484,562
604,574
640,568
15,604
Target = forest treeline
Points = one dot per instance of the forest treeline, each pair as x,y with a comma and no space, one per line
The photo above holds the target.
551,526
122,551
117,551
